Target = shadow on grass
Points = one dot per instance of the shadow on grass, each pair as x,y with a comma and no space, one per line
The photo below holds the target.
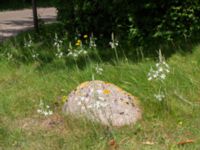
104,53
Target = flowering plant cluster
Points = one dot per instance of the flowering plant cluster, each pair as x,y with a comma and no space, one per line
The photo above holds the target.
57,42
9,56
44,109
161,70
159,73
114,43
28,43
58,45
78,51
92,43
80,48
98,69
160,96
35,55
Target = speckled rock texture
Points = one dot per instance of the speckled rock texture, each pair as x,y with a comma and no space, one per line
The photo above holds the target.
103,102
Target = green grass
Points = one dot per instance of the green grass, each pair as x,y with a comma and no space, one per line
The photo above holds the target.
23,84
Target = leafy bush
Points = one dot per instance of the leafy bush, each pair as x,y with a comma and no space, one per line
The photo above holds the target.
100,17
137,20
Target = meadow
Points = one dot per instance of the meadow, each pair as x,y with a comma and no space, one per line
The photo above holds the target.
45,68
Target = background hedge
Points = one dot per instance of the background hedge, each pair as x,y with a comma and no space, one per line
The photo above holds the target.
136,20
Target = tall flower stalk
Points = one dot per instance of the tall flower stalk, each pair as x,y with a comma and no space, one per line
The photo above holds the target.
159,73
114,44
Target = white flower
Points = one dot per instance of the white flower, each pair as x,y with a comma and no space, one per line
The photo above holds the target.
82,52
159,96
116,43
85,52
39,110
92,44
59,54
76,52
50,112
155,75
157,64
44,110
113,43
9,56
75,55
35,55
160,69
163,76
46,113
58,45
70,53
29,43
166,65
99,70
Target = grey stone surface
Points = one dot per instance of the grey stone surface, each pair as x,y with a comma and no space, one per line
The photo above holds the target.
103,102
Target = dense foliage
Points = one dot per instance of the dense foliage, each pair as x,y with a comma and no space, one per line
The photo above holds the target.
137,20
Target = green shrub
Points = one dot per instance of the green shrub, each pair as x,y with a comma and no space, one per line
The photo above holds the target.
100,17
137,20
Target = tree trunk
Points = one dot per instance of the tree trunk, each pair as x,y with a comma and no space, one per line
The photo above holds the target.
35,17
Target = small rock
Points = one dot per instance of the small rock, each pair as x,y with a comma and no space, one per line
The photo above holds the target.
103,102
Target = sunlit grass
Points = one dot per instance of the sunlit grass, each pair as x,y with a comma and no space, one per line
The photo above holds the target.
24,85
24,82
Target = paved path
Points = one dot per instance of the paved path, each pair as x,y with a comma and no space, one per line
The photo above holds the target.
13,22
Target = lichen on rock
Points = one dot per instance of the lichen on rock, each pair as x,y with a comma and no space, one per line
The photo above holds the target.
103,102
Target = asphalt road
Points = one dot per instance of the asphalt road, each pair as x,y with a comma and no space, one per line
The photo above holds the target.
14,22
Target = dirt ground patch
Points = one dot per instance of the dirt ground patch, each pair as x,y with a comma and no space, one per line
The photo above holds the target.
44,123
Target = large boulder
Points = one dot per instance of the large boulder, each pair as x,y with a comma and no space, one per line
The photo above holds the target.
103,102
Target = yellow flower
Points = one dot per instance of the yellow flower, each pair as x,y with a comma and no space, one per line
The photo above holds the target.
85,36
180,123
106,91
78,44
64,99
